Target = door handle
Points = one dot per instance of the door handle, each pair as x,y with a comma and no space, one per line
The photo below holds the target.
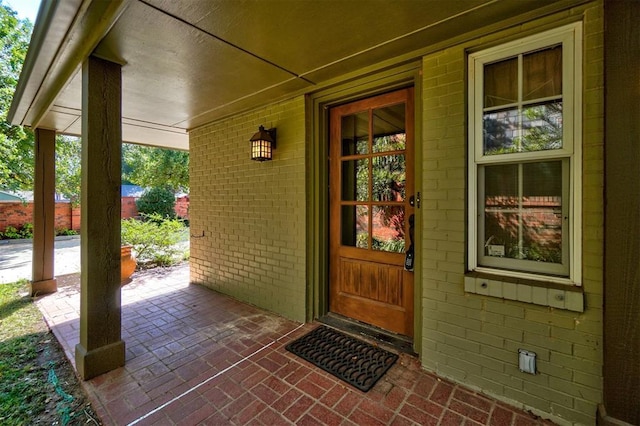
409,254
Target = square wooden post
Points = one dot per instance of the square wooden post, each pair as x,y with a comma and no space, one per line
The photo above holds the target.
42,279
101,348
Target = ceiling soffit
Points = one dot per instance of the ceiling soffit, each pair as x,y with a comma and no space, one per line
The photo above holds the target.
190,62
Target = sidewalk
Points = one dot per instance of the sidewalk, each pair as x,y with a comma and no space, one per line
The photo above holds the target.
16,256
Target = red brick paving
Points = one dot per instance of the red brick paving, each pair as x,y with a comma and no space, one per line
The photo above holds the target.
195,357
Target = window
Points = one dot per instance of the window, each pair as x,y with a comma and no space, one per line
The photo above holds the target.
524,157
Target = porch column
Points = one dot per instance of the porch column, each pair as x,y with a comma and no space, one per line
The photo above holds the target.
101,348
42,280
622,204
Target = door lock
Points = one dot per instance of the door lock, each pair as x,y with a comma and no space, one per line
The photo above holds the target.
414,200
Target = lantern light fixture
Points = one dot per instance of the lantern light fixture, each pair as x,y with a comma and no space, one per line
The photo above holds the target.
262,144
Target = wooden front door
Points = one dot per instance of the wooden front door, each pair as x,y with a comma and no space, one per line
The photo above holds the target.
371,189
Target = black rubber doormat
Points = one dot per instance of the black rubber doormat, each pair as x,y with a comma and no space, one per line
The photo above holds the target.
354,361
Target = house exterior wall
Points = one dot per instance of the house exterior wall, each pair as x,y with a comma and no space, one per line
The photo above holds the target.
248,234
472,338
247,217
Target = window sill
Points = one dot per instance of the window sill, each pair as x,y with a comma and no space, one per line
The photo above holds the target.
541,293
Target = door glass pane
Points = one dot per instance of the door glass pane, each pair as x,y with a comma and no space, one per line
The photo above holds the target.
501,83
355,180
388,174
355,226
355,134
542,74
388,228
388,128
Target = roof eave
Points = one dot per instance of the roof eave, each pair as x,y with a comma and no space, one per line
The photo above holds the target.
65,34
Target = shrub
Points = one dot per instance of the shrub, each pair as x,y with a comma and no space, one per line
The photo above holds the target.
12,233
65,231
154,239
160,201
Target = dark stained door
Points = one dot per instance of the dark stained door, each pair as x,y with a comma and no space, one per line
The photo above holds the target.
371,183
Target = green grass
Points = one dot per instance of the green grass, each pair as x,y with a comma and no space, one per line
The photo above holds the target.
22,379
37,383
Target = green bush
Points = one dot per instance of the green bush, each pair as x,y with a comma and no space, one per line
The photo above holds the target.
160,201
154,239
12,233
65,231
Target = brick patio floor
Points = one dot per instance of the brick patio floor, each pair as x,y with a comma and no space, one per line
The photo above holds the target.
194,356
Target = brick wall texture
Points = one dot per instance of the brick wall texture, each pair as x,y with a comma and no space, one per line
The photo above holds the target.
247,217
68,217
18,214
473,338
248,234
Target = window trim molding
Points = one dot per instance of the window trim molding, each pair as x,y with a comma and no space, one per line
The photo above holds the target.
570,36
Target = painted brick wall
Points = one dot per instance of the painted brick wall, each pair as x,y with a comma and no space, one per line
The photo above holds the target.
473,338
248,218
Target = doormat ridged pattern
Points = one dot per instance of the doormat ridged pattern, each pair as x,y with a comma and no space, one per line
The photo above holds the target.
357,363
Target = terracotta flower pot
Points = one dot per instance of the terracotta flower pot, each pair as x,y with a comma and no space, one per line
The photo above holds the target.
127,264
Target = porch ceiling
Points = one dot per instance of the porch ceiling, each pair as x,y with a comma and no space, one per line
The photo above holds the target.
188,62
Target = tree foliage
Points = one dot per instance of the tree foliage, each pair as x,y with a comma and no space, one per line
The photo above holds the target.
158,201
68,159
16,143
151,167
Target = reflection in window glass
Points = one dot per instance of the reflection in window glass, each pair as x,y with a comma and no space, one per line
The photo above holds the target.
355,180
524,221
388,228
355,226
500,131
542,127
537,128
355,134
388,174
388,128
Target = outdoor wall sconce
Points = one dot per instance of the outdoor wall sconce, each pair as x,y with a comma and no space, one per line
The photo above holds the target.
262,144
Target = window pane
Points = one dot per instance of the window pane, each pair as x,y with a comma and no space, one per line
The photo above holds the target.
501,83
542,127
523,211
542,74
537,128
388,228
355,180
501,132
542,212
500,209
388,128
501,182
355,226
388,178
355,134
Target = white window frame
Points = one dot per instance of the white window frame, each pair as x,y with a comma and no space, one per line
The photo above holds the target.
570,36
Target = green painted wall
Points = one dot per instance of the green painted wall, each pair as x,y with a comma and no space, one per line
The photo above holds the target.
250,236
474,339
247,217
